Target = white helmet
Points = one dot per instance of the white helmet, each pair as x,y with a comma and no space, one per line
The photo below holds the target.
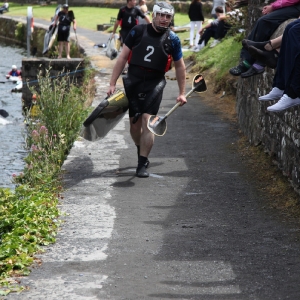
163,8
14,67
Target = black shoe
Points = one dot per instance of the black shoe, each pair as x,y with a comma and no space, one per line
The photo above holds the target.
141,172
259,45
238,70
269,58
252,71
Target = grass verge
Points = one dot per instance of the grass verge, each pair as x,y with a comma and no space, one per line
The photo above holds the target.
29,216
86,17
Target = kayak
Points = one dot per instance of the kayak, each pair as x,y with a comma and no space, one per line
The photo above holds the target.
18,87
51,33
14,79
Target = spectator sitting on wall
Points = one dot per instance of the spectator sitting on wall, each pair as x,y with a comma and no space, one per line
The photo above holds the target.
265,53
286,82
273,15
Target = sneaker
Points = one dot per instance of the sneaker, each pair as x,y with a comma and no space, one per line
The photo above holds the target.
199,47
214,43
275,94
284,103
141,172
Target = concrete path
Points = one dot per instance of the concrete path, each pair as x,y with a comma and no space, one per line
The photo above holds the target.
197,228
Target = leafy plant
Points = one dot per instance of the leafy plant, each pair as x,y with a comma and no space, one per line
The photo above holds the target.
29,216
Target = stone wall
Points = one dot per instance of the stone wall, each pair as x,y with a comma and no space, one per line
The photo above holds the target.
279,133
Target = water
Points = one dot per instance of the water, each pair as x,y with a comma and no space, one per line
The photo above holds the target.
12,136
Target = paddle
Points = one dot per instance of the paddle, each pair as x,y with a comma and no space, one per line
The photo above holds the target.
4,113
158,125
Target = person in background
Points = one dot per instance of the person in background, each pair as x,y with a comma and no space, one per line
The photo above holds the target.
65,18
143,7
286,82
196,18
127,18
273,15
150,49
209,30
14,72
265,53
217,3
4,7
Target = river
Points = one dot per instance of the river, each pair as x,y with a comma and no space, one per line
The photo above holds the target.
12,135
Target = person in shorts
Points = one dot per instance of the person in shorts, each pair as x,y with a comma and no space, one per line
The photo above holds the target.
149,50
65,18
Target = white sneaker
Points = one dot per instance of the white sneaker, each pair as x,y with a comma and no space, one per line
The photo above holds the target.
214,43
275,94
284,103
199,47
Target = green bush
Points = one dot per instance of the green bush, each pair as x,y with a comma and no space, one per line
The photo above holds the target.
29,215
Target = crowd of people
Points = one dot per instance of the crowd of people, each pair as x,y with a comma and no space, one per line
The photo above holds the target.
148,49
258,51
282,53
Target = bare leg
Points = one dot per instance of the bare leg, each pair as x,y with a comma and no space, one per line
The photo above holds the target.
147,137
60,49
67,47
276,43
136,130
144,139
141,135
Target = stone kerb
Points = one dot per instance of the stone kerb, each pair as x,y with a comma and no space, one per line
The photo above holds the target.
278,132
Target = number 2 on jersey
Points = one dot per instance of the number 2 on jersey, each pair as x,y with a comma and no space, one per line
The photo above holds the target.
151,49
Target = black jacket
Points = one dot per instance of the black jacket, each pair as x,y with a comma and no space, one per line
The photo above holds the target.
195,11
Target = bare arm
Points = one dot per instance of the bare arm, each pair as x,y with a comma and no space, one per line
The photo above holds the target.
147,19
118,68
116,26
203,28
74,24
180,76
55,21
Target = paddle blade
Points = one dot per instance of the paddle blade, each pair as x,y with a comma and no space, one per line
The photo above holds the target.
157,125
199,84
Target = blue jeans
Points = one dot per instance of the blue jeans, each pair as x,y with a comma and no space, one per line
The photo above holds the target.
288,66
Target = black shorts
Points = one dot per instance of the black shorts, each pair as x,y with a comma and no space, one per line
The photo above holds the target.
63,33
124,33
144,90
